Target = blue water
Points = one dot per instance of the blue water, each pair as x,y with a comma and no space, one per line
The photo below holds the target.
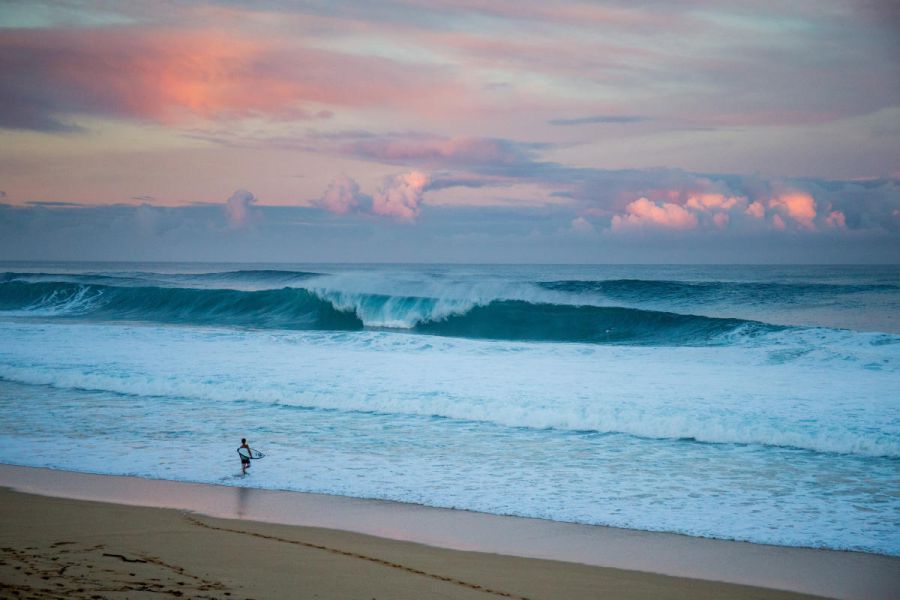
751,403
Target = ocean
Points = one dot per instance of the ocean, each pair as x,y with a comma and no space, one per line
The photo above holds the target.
756,403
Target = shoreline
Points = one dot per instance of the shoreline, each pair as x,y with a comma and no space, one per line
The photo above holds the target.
63,549
831,573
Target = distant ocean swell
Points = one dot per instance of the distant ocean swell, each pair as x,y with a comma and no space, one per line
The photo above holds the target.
319,308
269,276
647,289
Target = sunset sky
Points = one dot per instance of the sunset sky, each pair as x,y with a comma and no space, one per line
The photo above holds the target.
450,130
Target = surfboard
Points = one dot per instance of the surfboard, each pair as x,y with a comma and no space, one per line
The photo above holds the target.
243,452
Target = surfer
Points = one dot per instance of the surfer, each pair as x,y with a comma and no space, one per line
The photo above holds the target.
245,456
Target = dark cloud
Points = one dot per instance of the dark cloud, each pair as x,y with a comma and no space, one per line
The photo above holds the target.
36,92
27,118
26,104
54,204
443,152
443,180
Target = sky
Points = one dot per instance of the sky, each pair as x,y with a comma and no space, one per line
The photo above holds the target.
506,131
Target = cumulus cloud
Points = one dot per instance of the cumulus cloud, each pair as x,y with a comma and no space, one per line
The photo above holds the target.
656,199
643,213
508,233
836,220
341,197
721,201
799,206
237,208
703,202
756,210
762,205
400,196
582,226
778,223
714,210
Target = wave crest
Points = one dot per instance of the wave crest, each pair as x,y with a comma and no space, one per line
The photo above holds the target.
317,309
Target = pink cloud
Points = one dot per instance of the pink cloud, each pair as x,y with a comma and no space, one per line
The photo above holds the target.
170,75
713,201
799,206
778,223
341,197
643,213
721,220
716,208
836,219
159,75
756,210
400,196
713,210
237,208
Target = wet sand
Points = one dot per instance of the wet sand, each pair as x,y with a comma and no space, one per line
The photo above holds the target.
69,548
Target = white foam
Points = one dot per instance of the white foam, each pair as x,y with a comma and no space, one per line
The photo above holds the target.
719,395
402,300
759,494
371,432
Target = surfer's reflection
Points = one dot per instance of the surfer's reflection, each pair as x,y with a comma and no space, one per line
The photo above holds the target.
242,498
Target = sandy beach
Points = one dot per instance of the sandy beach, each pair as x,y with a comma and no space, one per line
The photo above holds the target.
61,548
57,547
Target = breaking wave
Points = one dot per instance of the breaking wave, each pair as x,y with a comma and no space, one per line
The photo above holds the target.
323,309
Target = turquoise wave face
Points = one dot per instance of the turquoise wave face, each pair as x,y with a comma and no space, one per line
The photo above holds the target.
285,308
517,320
298,308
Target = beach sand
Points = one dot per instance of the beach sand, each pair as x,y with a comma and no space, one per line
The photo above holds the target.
77,535
63,548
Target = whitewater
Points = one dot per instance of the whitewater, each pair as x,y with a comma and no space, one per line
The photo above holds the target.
749,403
